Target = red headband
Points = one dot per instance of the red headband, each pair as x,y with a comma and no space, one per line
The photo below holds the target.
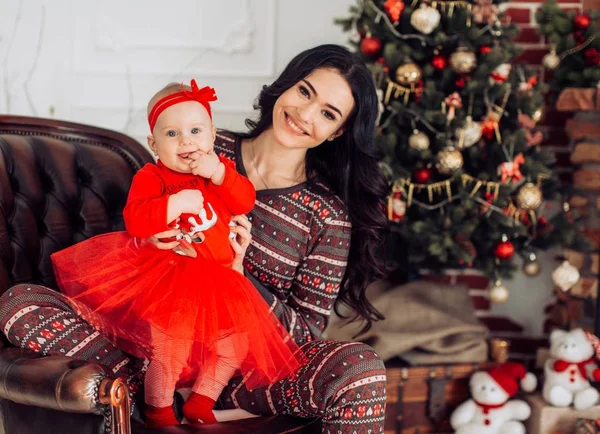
204,96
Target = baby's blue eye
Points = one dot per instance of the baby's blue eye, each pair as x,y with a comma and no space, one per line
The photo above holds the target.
171,133
195,130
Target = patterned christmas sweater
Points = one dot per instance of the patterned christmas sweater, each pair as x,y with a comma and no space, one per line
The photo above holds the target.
299,249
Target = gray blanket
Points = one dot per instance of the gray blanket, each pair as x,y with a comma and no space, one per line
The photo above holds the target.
426,323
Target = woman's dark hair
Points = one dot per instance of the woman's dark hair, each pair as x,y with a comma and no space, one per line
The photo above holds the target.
348,165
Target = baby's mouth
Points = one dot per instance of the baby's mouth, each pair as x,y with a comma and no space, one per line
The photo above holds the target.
185,155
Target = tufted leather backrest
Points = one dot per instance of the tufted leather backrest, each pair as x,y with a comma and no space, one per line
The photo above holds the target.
60,183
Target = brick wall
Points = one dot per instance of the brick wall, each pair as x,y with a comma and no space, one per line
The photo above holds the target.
534,47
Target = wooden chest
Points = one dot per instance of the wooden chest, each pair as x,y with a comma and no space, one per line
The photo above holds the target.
421,399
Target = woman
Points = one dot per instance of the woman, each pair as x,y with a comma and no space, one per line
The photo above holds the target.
317,230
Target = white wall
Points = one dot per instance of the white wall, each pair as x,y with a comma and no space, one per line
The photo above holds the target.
99,61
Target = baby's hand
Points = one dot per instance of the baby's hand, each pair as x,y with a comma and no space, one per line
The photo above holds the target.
187,202
204,165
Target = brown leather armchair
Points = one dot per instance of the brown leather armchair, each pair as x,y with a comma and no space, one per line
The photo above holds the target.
60,183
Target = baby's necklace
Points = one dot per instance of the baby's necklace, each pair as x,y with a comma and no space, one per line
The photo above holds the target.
255,166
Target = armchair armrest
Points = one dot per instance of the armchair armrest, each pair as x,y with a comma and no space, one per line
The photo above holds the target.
55,382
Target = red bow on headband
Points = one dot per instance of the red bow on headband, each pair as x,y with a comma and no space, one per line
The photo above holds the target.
204,96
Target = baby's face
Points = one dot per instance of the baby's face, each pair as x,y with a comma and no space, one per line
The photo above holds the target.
180,130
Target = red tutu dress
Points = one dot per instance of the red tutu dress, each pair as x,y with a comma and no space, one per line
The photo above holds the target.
146,298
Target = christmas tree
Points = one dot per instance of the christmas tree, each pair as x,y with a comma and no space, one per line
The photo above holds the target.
575,45
457,137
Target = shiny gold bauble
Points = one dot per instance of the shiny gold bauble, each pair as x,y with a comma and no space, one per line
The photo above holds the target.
449,160
469,134
529,197
531,267
551,60
425,19
408,74
498,293
418,140
463,61
565,276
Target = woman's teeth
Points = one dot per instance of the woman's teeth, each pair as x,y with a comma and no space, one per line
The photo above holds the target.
293,126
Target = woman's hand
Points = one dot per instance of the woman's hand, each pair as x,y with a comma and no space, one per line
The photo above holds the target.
241,227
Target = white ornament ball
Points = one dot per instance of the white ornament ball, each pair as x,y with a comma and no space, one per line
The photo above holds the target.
469,134
425,19
499,293
565,276
418,140
551,60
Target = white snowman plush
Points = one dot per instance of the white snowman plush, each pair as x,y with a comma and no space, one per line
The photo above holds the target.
490,410
568,370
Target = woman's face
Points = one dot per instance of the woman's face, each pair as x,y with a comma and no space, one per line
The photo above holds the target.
313,110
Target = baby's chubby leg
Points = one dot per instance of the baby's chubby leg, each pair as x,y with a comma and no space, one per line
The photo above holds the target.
168,361
208,387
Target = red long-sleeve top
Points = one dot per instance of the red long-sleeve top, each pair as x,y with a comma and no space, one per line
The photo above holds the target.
145,213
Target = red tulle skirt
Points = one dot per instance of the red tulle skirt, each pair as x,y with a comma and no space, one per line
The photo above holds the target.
147,299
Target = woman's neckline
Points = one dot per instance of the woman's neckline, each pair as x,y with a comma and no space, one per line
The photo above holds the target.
239,162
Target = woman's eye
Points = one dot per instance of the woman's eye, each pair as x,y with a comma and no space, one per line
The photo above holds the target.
171,133
195,130
304,91
329,115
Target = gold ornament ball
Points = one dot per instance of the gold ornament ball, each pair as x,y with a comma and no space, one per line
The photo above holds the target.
463,61
532,267
529,197
565,276
425,19
498,293
418,140
449,160
551,60
537,115
408,74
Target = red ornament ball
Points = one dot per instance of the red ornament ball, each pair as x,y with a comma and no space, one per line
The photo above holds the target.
485,49
422,175
504,250
460,82
579,37
592,56
439,62
370,46
582,21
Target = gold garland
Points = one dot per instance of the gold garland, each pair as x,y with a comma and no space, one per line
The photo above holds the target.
490,186
447,7
397,90
408,189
